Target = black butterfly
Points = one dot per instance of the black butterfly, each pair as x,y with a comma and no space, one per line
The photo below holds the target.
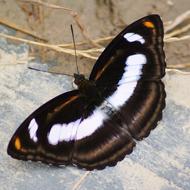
98,124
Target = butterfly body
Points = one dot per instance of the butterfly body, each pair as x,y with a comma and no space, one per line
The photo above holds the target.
87,88
99,123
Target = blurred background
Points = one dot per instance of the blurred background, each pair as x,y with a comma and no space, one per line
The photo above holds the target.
36,55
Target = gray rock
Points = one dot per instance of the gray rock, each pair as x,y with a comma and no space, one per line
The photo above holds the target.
160,162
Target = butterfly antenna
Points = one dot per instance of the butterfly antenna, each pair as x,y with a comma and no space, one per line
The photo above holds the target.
44,71
74,48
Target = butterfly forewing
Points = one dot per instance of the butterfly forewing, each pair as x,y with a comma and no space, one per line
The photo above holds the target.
136,51
46,134
95,130
131,67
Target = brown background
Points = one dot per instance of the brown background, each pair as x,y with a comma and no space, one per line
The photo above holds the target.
100,18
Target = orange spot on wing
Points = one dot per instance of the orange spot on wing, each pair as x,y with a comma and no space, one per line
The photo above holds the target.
17,143
148,24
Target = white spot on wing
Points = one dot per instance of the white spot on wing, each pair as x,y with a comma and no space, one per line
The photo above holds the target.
136,59
132,37
33,127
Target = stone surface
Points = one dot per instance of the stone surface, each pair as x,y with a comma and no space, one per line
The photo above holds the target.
160,162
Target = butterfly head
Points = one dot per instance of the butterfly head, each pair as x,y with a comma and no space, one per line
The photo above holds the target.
78,79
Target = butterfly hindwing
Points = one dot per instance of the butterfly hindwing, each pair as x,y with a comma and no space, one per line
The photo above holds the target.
106,146
144,109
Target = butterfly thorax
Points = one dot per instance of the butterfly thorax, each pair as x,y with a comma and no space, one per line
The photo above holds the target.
87,87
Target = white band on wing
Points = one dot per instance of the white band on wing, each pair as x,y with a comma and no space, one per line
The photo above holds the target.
80,129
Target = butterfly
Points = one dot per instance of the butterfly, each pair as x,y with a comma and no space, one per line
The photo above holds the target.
99,123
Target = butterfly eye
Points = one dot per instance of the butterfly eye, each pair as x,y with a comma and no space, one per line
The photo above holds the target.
78,79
